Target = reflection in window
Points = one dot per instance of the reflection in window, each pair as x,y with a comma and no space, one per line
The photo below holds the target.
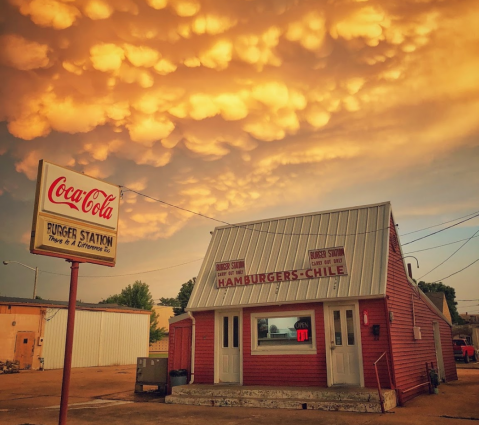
338,337
350,326
276,331
225,332
235,332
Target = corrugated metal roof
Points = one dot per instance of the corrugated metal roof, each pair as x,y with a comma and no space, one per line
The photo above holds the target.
64,304
282,244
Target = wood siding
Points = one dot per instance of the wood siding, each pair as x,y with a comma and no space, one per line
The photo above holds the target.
205,347
179,348
409,354
373,347
281,369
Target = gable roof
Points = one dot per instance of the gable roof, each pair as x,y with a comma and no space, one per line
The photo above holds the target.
282,244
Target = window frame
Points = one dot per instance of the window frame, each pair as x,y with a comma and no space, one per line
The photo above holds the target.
282,349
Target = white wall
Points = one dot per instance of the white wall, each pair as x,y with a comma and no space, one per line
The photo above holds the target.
100,338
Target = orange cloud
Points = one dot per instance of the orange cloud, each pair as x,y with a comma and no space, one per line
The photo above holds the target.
215,105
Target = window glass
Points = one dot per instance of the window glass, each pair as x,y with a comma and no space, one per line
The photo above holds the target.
338,337
225,332
350,326
284,331
235,331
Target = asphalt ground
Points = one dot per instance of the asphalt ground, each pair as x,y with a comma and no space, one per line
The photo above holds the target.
104,396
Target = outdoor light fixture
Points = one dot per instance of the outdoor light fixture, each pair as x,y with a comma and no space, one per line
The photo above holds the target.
35,269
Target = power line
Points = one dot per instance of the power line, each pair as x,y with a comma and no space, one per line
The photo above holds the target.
126,274
442,230
439,246
444,278
440,224
477,299
440,264
245,226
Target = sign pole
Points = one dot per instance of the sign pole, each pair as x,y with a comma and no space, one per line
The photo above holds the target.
67,365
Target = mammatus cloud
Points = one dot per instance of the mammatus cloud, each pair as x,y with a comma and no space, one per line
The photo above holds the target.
212,105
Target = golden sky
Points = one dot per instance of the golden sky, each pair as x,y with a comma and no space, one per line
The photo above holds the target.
242,109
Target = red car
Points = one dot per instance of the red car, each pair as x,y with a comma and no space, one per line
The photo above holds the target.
463,350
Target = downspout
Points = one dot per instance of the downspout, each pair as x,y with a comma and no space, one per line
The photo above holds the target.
193,343
391,354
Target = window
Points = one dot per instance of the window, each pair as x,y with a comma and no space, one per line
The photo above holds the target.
283,333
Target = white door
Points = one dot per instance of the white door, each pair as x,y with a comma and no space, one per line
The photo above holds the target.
344,346
438,346
229,347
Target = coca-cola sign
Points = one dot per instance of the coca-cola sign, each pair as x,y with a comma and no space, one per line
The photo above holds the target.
95,201
78,196
76,216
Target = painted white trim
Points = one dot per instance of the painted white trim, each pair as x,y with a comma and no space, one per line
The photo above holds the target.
179,318
281,349
327,338
218,342
280,303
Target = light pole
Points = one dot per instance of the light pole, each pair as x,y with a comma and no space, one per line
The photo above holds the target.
35,269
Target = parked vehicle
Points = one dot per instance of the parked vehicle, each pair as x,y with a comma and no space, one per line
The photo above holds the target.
463,350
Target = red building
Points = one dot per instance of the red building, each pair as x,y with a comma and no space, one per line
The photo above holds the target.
311,300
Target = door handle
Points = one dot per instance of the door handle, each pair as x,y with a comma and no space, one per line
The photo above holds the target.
333,346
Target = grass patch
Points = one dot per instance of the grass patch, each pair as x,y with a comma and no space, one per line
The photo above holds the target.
159,355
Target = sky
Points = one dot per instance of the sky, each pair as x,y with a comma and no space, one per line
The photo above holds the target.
240,110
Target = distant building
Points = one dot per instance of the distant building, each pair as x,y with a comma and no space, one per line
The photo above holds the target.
470,318
34,331
439,300
164,313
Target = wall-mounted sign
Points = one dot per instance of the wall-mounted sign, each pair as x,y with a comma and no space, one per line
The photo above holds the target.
328,262
75,217
327,257
233,271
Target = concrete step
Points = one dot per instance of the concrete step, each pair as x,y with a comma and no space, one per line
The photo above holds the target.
340,399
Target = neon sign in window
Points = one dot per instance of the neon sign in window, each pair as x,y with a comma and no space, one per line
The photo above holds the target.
302,335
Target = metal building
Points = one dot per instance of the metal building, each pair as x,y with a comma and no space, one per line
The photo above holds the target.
33,332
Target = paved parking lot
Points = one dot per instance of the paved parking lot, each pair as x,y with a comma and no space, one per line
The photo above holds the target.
105,396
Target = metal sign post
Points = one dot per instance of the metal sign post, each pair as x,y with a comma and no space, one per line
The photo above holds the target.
67,364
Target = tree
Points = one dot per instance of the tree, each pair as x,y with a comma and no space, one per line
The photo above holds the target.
170,302
450,294
184,296
138,296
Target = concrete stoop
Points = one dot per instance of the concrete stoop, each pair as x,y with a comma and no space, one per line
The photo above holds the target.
345,399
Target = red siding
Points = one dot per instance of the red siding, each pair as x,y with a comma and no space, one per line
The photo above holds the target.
291,370
204,350
373,348
410,355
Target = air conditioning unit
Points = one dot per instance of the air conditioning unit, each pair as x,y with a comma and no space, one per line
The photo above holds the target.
151,371
417,332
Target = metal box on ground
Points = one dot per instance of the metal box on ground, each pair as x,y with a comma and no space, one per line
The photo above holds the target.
151,371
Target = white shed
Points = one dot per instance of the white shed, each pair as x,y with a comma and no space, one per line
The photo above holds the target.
104,334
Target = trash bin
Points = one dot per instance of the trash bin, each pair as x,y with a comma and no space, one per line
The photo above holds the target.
178,377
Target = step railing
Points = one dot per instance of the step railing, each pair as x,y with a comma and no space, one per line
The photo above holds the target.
381,397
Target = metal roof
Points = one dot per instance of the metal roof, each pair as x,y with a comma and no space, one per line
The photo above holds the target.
282,244
64,304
